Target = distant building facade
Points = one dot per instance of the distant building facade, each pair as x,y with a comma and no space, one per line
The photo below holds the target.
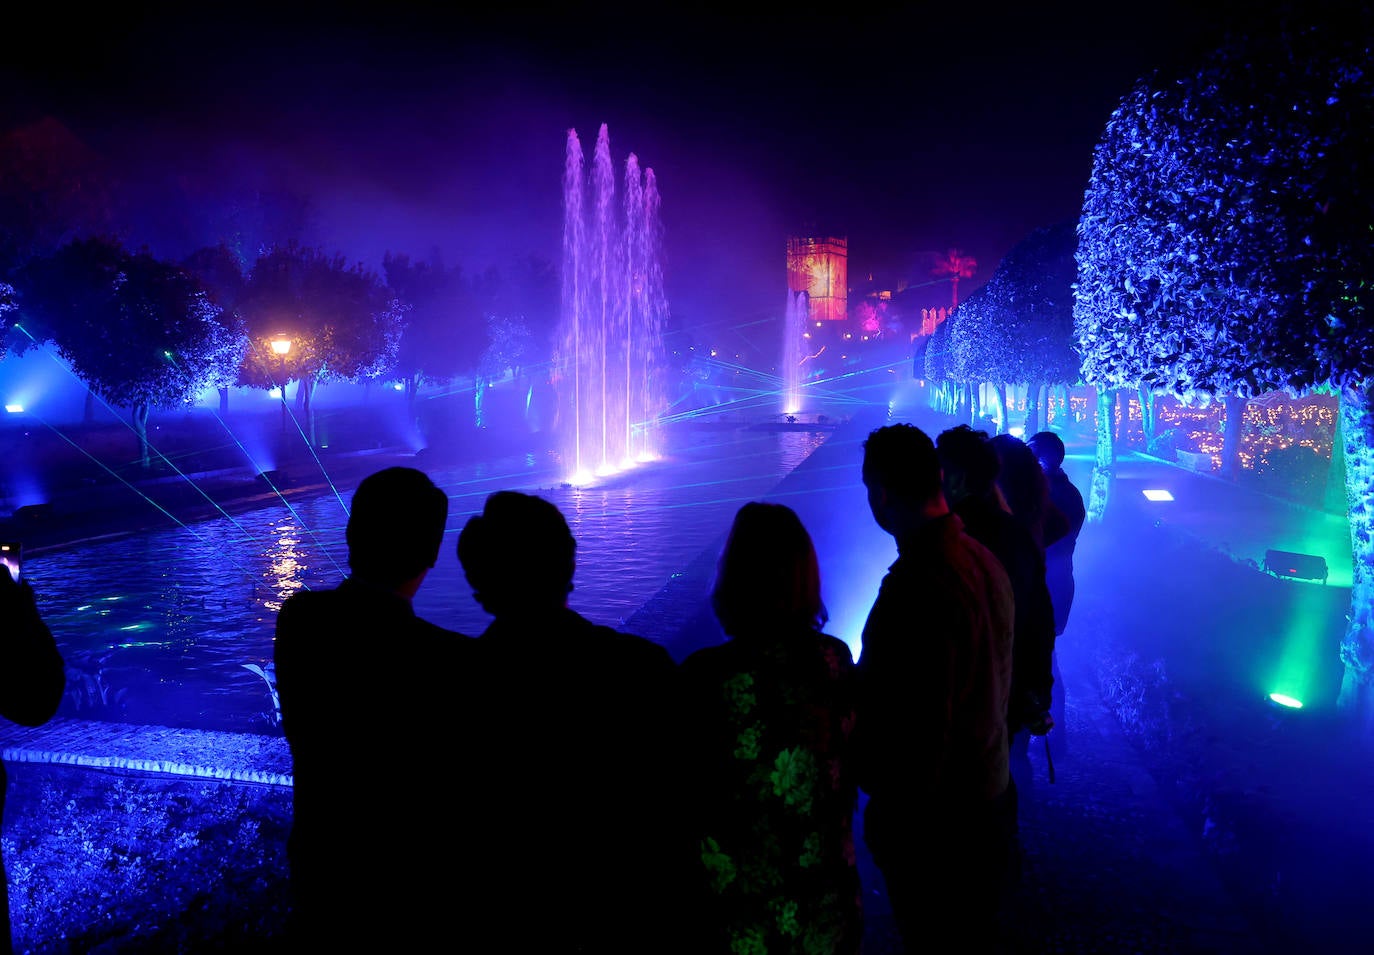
820,268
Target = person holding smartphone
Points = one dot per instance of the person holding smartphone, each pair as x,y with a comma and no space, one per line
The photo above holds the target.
33,675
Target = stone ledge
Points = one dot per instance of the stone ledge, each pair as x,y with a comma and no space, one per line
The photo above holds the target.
236,757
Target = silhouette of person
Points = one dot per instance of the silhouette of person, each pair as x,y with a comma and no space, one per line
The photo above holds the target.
1026,490
1026,493
772,710
590,846
33,678
970,466
1048,448
369,695
934,680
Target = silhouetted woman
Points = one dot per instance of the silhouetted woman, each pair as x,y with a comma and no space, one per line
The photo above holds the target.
771,712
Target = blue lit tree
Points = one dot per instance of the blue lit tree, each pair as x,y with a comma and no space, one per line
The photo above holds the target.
1017,329
1169,286
1225,249
219,272
953,360
1032,293
975,346
937,368
140,332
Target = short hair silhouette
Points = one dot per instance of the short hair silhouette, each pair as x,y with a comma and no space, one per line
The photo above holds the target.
901,459
967,456
517,553
395,525
767,577
1048,447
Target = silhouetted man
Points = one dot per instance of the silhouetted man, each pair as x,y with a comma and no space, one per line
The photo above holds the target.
934,682
371,700
33,678
589,846
1049,449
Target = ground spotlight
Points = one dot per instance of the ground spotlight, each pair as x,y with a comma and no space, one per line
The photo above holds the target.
1287,563
1157,494
14,408
1284,701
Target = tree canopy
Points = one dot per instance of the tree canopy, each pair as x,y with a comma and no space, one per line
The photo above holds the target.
444,325
140,332
1225,248
342,322
1034,288
1225,234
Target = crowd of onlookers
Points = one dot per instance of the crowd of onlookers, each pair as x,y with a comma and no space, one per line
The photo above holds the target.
591,795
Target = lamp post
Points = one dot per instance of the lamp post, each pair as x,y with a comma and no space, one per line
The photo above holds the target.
281,345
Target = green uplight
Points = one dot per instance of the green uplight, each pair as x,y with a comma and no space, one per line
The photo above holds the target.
1283,699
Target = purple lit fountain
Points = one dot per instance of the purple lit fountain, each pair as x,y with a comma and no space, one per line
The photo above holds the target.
793,353
610,365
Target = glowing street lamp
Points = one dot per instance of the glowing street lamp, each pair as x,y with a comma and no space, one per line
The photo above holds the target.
282,346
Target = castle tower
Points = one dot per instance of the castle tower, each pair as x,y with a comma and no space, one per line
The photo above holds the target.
820,268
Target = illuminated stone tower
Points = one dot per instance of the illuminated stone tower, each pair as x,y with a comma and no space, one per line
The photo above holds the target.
820,268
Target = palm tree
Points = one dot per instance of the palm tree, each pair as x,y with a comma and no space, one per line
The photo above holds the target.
957,266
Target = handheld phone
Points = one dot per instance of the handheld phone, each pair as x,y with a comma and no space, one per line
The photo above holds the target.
12,556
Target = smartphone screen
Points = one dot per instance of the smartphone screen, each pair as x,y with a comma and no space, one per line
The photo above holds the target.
11,554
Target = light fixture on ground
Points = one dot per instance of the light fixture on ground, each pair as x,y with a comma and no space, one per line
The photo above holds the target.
1287,563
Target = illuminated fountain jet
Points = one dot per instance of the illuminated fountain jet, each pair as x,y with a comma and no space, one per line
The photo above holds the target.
793,351
610,365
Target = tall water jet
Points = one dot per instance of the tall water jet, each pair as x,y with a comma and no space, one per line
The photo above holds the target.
793,350
609,370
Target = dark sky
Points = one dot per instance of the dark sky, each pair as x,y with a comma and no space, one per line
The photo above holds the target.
914,130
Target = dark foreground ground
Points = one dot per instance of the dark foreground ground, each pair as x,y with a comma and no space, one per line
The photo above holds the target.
1185,815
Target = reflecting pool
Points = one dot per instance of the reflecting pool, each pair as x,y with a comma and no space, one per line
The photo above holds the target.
175,627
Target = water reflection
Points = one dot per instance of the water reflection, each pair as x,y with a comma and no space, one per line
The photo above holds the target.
286,567
173,627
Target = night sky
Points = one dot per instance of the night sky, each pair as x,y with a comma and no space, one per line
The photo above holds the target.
907,132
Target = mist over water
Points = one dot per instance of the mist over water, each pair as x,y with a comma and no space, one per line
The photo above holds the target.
610,367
